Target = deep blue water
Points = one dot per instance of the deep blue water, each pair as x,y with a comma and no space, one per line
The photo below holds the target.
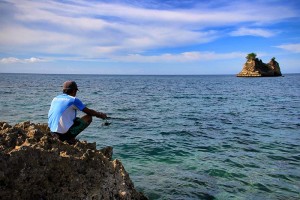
183,137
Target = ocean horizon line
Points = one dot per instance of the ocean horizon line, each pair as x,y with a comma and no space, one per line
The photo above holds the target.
31,73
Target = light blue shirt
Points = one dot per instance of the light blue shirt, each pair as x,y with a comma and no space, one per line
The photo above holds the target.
63,112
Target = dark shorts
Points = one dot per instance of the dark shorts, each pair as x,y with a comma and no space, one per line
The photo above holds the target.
78,126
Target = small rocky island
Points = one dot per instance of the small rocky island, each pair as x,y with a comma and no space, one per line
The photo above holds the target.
254,67
36,165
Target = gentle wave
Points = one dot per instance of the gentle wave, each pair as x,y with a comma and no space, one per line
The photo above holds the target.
183,137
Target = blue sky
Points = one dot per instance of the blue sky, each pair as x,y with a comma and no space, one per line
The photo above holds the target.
147,37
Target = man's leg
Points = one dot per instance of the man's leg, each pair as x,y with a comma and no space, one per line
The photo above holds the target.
79,125
87,118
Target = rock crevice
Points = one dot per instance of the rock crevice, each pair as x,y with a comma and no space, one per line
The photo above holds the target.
35,165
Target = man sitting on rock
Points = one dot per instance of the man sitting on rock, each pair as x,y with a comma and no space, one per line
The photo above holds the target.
62,119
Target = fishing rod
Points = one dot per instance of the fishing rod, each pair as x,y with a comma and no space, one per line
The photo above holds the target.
107,122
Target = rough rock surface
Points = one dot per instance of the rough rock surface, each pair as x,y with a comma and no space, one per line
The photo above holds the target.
35,165
256,68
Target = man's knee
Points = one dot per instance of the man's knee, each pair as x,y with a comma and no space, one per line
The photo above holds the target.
87,118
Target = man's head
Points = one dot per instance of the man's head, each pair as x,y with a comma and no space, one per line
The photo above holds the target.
69,87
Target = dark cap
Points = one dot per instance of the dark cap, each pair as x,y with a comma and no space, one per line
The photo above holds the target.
70,85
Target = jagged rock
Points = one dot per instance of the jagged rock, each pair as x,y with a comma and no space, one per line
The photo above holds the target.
256,68
36,165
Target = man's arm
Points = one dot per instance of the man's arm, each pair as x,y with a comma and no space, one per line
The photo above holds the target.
92,112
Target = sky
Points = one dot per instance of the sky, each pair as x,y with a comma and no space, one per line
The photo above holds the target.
149,37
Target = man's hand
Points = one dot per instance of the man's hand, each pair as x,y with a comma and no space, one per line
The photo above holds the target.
101,115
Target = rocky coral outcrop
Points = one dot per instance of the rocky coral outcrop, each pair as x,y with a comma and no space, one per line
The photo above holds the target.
35,165
254,67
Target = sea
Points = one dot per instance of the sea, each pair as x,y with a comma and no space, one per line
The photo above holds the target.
183,137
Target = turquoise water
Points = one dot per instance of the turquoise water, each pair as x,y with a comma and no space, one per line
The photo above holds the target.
183,137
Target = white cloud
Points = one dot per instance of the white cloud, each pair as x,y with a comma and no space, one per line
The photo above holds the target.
23,36
253,32
93,29
295,48
59,15
233,12
33,60
181,57
11,60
